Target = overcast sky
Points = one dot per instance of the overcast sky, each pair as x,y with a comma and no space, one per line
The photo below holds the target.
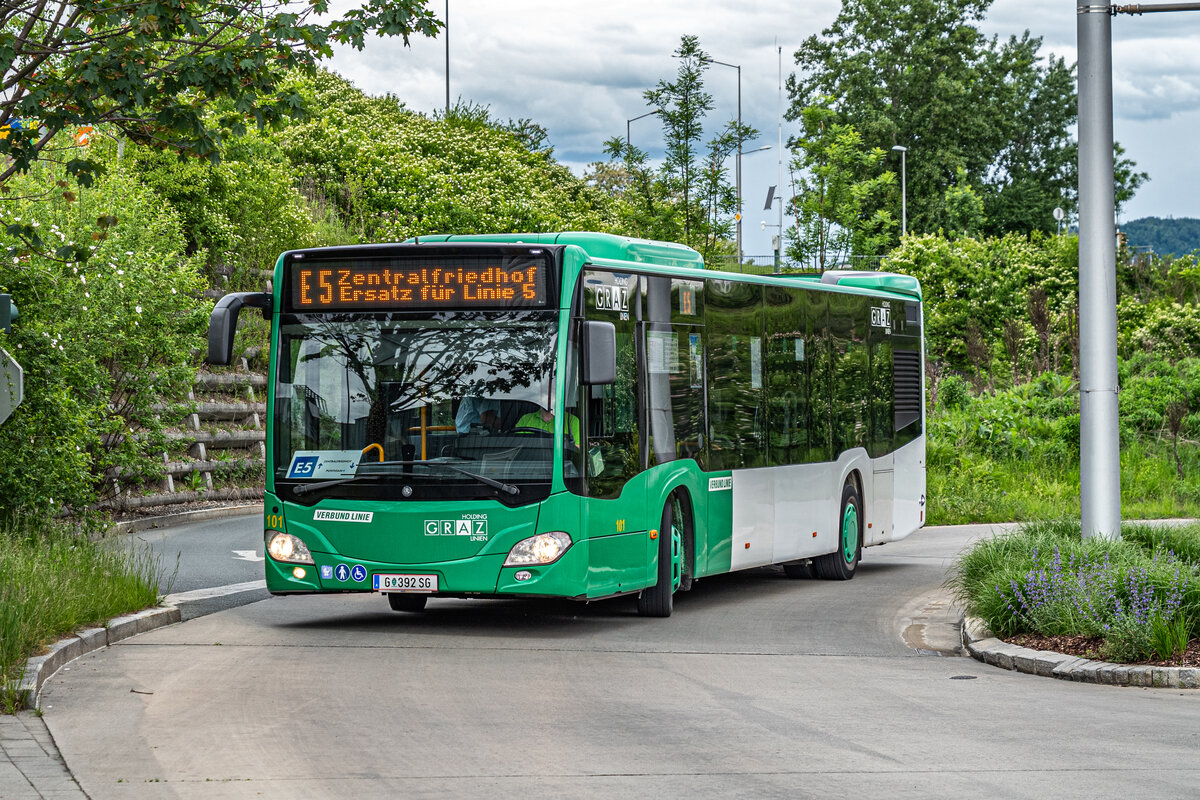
579,70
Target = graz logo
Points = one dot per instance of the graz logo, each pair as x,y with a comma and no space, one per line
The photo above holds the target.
881,317
473,525
612,298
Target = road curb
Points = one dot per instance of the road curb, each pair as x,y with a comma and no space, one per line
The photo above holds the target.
185,517
984,646
38,669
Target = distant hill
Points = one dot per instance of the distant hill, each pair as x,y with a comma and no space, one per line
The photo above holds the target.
1164,236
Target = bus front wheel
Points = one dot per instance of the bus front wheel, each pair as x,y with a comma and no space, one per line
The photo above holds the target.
841,564
407,602
658,600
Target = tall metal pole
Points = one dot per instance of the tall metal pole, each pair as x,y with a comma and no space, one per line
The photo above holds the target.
1099,446
739,155
635,119
447,57
903,151
739,172
779,240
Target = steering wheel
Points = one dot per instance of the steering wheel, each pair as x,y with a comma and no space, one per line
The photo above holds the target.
534,431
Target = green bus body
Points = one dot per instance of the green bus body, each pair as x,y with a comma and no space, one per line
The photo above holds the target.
743,409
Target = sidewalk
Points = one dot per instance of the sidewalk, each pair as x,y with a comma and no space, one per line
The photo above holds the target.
30,764
31,768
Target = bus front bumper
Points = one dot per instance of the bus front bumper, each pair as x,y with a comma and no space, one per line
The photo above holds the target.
482,576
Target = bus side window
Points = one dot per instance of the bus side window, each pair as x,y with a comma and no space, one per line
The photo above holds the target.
817,359
849,317
736,416
612,454
882,392
787,376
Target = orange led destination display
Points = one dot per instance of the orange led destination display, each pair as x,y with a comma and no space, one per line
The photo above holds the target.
399,286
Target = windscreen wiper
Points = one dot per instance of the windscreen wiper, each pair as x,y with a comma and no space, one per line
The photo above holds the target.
305,488
507,488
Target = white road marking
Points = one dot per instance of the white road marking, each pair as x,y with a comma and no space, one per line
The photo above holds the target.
247,555
215,591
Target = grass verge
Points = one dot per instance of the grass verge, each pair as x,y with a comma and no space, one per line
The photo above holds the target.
966,487
1140,595
54,581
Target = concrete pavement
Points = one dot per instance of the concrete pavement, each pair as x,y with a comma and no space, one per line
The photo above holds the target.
30,764
489,638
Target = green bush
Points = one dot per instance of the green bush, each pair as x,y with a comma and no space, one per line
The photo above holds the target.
1013,455
1167,329
241,212
984,283
1150,383
953,393
100,342
393,174
1136,594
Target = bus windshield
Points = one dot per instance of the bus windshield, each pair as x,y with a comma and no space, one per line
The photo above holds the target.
441,406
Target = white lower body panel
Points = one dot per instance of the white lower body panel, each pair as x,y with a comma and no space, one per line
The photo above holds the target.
791,512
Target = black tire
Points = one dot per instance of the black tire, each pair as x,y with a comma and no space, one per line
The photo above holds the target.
841,564
407,602
687,540
658,600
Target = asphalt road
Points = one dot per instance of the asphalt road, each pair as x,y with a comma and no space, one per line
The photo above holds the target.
757,686
202,555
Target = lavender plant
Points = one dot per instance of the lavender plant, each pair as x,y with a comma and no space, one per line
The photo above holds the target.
1139,596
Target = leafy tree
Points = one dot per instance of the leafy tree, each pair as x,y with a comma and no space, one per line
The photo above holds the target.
682,105
905,73
841,182
689,198
647,208
153,70
963,207
716,194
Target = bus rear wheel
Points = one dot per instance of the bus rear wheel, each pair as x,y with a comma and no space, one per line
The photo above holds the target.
659,599
841,564
407,602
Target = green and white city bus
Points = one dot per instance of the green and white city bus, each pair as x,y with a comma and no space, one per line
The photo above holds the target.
578,415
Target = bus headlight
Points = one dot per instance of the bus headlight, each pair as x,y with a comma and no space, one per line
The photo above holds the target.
285,547
545,548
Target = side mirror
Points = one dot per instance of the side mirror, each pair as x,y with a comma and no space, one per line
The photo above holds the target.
222,324
599,353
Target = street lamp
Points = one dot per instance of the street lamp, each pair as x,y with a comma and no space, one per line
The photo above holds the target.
642,116
901,149
739,160
447,58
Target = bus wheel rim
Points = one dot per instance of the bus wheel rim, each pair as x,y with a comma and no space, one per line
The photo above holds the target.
849,533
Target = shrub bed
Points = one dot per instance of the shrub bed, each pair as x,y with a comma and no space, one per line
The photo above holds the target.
1138,597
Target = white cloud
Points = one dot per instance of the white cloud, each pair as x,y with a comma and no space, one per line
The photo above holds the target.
579,70
1155,78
